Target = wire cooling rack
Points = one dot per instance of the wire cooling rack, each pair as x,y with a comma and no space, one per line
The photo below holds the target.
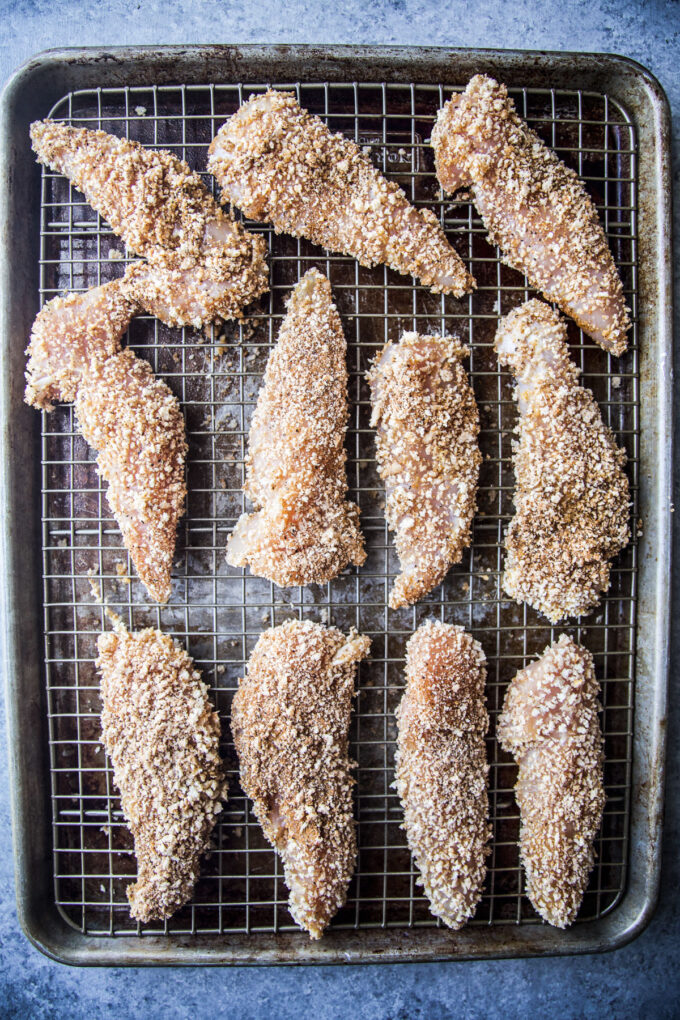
218,612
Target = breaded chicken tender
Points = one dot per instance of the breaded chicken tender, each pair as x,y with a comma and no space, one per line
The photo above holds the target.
441,770
129,417
162,736
550,725
427,425
278,163
202,264
290,719
572,502
536,209
304,529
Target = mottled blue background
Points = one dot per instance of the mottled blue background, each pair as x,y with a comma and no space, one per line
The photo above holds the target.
640,980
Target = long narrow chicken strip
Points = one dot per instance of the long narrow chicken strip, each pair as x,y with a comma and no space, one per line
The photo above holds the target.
202,264
572,500
162,736
536,209
290,719
277,162
550,725
304,530
441,770
132,420
427,425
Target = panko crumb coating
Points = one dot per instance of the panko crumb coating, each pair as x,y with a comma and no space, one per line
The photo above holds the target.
132,420
427,428
441,769
535,208
572,500
304,529
162,735
550,725
280,164
290,721
202,264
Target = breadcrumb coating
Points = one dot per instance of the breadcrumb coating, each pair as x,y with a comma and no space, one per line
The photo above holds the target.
550,725
278,163
572,501
441,769
129,417
290,719
535,208
162,736
304,530
202,264
427,427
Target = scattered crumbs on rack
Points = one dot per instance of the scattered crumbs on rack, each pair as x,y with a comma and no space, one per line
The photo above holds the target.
115,255
220,669
62,543
324,615
122,573
102,887
232,644
175,357
616,382
140,111
366,149
106,829
96,589
639,527
265,617
487,408
223,483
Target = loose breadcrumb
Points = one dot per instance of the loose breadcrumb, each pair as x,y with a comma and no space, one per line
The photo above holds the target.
441,770
277,162
304,529
572,502
162,736
535,208
290,719
550,725
427,427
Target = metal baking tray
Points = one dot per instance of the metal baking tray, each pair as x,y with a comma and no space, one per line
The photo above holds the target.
609,119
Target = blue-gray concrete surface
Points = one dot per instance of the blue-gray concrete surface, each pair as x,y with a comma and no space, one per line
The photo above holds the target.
640,980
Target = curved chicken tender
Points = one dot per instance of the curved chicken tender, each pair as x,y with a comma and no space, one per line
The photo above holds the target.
277,162
132,419
441,770
427,426
290,719
202,264
162,736
305,530
536,209
572,500
550,725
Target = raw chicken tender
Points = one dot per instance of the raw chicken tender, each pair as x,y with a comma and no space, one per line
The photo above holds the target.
550,725
290,719
427,426
536,209
304,529
278,163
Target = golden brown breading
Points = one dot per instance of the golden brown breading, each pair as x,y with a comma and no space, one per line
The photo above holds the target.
304,529
203,264
277,162
441,770
572,500
536,209
550,725
427,426
162,735
290,718
132,419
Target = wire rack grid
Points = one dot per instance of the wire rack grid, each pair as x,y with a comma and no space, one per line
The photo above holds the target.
218,612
